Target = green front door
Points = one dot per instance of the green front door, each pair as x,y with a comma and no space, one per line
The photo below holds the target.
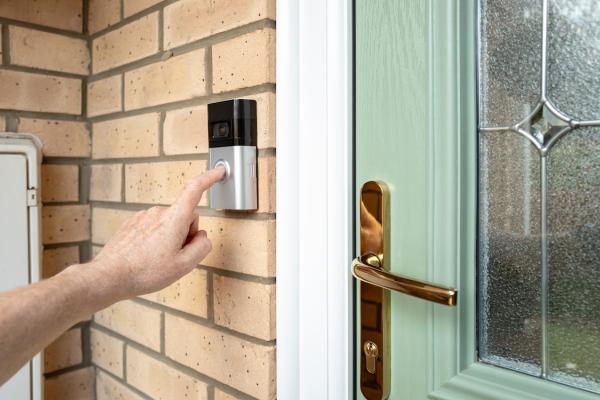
482,119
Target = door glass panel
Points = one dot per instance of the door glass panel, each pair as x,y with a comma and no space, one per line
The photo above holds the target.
510,258
539,188
510,67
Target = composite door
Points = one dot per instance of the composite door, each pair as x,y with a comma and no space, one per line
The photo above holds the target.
477,157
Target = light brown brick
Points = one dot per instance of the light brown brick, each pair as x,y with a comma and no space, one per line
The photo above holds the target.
244,61
266,184
189,294
131,7
64,352
161,182
160,381
107,352
244,365
246,246
26,91
39,49
129,43
105,182
62,14
181,18
64,224
265,119
55,260
59,138
104,96
108,388
247,307
2,119
185,131
74,385
103,13
178,78
221,395
135,136
60,183
105,222
135,321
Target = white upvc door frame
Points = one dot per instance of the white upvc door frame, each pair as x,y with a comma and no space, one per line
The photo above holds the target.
314,199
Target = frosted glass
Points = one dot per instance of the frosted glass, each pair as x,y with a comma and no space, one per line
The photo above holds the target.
510,60
509,252
574,57
574,254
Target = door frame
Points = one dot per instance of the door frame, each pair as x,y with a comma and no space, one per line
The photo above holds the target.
314,199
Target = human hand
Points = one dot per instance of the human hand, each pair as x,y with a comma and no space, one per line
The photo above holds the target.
155,247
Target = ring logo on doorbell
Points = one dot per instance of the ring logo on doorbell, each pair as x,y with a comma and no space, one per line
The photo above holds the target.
232,144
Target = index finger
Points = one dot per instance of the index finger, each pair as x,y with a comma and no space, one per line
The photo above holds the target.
192,192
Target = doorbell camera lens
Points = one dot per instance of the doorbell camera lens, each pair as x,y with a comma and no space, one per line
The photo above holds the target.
220,130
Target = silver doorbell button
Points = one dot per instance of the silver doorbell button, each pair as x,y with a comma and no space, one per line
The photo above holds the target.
224,164
232,144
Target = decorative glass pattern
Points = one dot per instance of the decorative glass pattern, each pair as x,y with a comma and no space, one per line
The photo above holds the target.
539,196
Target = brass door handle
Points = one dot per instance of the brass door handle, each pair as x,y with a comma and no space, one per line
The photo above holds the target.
367,268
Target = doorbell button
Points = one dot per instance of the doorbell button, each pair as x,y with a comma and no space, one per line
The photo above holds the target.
224,164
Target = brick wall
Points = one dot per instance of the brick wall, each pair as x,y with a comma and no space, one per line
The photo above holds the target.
155,65
136,75
44,61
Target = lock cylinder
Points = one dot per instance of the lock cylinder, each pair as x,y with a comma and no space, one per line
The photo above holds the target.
232,145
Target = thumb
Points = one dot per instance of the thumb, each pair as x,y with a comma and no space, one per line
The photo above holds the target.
196,249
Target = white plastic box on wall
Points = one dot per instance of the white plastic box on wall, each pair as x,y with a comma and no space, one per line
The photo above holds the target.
20,246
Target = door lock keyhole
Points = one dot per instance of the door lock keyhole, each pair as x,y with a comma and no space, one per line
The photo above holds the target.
371,353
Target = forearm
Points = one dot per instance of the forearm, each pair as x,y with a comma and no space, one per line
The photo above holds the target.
34,316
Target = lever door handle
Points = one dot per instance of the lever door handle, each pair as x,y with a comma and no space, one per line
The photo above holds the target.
367,268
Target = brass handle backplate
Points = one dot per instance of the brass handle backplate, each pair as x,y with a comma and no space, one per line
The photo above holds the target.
372,269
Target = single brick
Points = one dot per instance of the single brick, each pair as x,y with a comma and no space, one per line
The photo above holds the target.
55,260
103,13
135,321
247,307
135,136
59,138
27,91
181,18
104,96
60,183
105,182
221,395
30,48
2,119
244,61
131,7
160,182
64,224
266,184
244,365
189,294
246,246
105,222
107,352
178,78
265,119
62,14
185,131
78,384
160,381
129,43
108,388
64,352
